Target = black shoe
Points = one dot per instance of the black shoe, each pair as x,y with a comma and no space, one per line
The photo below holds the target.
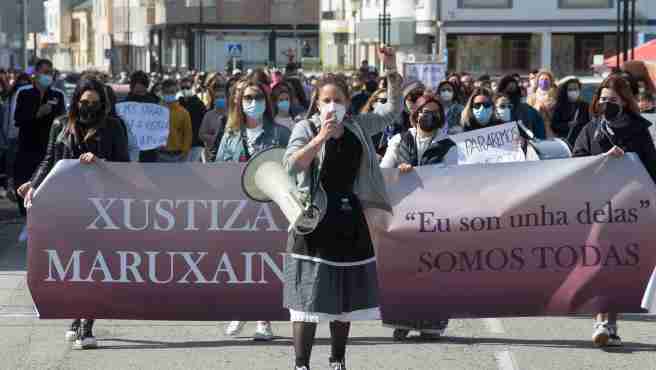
86,340
71,334
337,365
400,335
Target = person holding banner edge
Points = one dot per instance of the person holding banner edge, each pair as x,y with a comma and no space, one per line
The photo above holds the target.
89,133
330,273
250,129
616,128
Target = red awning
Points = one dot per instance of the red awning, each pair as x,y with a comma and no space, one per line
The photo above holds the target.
644,52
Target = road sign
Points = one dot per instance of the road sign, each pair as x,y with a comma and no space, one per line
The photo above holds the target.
108,53
234,50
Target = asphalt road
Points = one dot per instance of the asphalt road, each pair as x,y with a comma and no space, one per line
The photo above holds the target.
506,344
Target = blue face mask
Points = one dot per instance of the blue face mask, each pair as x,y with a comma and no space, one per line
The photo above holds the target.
283,105
168,99
45,81
255,109
483,115
219,103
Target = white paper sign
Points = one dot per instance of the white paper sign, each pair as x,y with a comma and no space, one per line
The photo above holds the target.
430,74
496,144
149,123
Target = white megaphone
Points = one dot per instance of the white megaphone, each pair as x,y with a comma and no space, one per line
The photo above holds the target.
264,180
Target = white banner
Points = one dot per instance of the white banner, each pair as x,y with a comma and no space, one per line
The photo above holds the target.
496,144
149,123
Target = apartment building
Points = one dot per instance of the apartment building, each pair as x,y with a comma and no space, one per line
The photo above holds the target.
11,29
208,34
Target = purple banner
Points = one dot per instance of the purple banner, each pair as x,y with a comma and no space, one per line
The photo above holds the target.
533,238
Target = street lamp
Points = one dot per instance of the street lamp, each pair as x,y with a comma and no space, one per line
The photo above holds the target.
355,8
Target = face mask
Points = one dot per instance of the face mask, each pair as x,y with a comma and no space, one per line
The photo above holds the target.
483,115
573,95
283,106
169,99
45,81
611,111
504,115
338,109
544,85
89,113
446,95
185,93
428,121
219,103
255,109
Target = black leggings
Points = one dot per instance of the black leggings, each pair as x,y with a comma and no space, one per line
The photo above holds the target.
304,334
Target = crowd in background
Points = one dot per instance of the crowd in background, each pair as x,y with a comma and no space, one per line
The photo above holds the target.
215,117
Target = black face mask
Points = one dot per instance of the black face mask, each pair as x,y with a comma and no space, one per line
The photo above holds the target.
429,121
611,111
90,113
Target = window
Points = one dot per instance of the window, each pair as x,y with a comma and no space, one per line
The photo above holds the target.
585,4
197,3
485,4
419,4
75,31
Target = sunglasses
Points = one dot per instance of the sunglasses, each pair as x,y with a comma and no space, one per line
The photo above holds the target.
479,105
381,100
88,102
249,98
505,106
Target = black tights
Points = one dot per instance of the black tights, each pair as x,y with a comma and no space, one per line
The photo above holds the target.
304,334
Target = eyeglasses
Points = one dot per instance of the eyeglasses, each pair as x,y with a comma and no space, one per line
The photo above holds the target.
381,100
250,98
479,105
606,99
505,106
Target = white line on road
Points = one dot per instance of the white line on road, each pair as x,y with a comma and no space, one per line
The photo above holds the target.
506,361
494,326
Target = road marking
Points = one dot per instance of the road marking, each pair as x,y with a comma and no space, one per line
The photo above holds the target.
494,326
506,361
7,311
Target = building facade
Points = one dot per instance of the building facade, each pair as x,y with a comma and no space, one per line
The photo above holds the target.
11,30
481,36
210,34
500,36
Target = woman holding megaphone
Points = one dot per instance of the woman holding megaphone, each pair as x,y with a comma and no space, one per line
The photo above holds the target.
330,272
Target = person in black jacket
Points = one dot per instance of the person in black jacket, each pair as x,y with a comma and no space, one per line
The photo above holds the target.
197,110
90,134
139,82
616,128
571,113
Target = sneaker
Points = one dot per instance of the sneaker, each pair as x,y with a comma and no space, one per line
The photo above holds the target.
86,340
431,334
601,335
71,334
614,340
339,365
400,335
234,328
263,331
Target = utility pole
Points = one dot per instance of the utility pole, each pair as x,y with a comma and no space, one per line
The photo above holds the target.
129,39
24,33
201,37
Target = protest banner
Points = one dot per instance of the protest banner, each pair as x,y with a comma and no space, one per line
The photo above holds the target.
515,239
148,123
429,73
170,242
496,144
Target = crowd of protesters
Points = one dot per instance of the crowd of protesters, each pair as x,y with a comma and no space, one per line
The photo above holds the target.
364,117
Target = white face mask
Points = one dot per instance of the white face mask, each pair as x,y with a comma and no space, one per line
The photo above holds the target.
339,111
504,115
573,95
446,95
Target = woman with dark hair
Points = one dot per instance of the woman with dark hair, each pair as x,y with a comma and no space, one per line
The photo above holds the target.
450,96
479,111
571,112
90,134
215,119
282,104
616,128
250,129
523,112
330,273
300,100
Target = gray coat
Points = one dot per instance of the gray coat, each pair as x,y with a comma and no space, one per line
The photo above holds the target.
369,184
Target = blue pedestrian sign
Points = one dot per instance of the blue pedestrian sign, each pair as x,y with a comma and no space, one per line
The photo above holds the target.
234,50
